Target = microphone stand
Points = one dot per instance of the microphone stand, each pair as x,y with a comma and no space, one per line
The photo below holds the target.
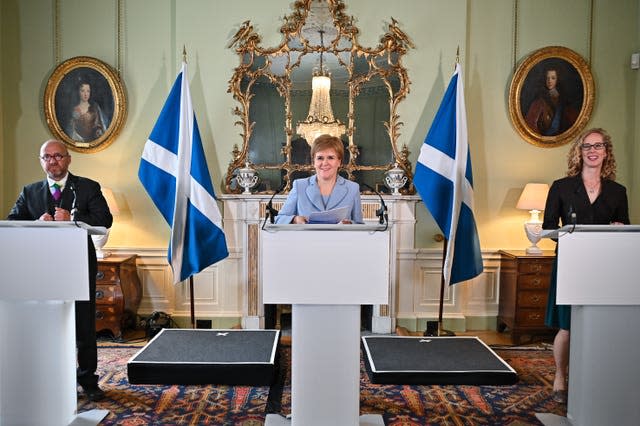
74,209
383,217
271,213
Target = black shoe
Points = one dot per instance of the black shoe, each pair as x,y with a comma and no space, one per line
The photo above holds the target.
94,393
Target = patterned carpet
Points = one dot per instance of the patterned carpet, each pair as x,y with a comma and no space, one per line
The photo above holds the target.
513,405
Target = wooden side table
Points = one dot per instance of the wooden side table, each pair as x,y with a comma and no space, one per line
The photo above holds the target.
524,289
118,294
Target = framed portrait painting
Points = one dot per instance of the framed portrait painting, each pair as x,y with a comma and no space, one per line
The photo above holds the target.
84,104
551,96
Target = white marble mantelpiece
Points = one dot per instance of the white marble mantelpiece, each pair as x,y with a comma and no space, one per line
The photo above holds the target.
230,292
243,216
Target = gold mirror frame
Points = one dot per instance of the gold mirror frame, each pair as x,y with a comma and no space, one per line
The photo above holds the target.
246,43
107,91
522,84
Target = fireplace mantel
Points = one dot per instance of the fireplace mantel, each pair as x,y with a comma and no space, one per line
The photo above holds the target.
243,217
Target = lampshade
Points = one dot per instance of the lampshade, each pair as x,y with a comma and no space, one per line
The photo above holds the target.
533,198
107,193
320,120
99,241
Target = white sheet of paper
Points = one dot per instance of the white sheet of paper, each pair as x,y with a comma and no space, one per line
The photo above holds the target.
329,216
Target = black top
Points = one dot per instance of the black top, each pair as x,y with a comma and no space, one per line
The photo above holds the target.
568,195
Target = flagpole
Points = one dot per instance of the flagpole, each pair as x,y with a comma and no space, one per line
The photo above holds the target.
192,301
193,311
176,131
448,135
441,330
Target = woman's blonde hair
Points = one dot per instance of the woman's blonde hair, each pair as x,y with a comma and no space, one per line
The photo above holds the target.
574,158
324,142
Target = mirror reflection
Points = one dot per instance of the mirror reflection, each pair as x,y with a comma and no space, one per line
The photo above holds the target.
318,80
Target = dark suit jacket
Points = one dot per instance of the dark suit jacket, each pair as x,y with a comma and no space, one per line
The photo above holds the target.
568,195
36,198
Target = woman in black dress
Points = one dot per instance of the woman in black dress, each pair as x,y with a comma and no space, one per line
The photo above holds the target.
588,195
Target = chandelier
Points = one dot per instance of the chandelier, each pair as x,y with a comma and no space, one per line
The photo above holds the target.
320,119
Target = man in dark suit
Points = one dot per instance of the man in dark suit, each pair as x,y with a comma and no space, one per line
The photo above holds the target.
62,197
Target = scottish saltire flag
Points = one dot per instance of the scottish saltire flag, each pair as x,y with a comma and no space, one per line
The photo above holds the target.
444,180
173,170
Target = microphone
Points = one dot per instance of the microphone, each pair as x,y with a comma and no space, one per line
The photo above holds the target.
74,208
573,218
271,212
382,211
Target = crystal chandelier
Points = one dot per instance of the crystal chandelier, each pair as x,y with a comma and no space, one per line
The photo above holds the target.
320,119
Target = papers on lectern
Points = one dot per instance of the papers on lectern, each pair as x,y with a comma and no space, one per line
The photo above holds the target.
329,216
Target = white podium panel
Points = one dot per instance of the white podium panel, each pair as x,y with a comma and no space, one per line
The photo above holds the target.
37,363
603,365
599,265
45,269
598,272
326,273
338,264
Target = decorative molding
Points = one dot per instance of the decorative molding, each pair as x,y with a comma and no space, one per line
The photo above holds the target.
415,293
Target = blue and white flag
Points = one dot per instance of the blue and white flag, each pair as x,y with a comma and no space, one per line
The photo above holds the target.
444,180
174,172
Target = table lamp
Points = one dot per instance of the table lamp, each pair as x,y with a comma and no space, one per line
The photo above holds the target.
533,198
100,240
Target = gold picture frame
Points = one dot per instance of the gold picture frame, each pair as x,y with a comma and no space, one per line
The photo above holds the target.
85,104
551,96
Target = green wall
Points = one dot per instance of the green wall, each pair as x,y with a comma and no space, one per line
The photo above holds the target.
154,32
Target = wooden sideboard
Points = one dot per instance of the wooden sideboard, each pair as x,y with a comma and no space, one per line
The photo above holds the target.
524,289
118,294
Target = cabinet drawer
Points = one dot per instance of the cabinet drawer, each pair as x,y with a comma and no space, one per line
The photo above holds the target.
107,275
530,317
534,267
532,299
106,294
107,314
533,282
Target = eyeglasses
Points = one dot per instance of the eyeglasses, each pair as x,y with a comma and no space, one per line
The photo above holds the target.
46,158
598,146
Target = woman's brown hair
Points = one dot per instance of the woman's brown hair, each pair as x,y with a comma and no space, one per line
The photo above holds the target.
324,142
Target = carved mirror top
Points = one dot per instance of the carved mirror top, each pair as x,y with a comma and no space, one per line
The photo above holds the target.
273,89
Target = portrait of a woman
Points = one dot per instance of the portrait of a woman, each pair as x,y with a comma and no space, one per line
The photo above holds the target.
87,121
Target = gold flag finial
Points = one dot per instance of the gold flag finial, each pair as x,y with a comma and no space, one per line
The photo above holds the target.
458,55
184,53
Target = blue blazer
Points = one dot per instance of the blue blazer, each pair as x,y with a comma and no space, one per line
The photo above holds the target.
305,198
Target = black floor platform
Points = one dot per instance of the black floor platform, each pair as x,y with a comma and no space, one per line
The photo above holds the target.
199,356
434,361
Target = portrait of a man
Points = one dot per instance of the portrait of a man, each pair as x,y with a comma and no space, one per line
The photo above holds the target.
551,97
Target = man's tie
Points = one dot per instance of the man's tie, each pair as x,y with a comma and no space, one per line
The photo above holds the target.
56,192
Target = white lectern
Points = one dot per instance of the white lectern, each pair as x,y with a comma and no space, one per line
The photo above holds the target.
598,274
45,269
326,272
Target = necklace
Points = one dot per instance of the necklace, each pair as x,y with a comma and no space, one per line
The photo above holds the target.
592,189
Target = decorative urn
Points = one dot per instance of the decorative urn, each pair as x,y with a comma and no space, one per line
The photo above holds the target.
247,177
395,179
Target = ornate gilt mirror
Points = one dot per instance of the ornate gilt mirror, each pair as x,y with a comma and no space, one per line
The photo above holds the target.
278,107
